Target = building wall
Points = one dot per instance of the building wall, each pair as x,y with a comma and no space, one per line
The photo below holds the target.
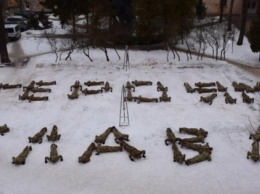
213,7
11,4
34,5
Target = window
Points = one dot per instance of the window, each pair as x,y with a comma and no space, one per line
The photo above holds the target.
27,4
251,4
224,2
10,30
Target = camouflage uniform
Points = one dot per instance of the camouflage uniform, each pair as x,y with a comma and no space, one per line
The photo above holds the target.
133,152
205,90
160,87
102,138
237,87
177,155
141,83
37,138
88,92
8,86
246,98
220,87
41,83
119,136
29,87
229,99
129,86
73,95
197,147
4,129
247,88
188,88
193,139
194,131
130,97
54,157
256,135
199,158
170,137
201,84
107,87
254,154
33,98
165,97
93,83
105,149
25,95
208,99
143,99
257,87
54,136
87,154
20,159
34,90
76,86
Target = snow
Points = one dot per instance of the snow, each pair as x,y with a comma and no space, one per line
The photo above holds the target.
80,120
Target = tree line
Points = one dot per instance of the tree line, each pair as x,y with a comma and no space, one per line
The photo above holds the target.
128,21
111,23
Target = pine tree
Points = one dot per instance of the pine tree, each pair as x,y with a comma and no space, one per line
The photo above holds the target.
148,22
201,9
230,13
254,35
243,22
221,7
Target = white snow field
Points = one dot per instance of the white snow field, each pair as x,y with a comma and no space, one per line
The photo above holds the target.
80,120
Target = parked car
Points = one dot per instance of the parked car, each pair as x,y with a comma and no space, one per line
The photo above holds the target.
13,31
26,14
31,17
18,20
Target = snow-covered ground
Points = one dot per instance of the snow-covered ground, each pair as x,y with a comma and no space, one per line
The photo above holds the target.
80,120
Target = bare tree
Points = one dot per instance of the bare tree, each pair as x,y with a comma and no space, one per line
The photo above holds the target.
84,45
188,53
213,39
68,45
171,42
198,37
53,41
227,36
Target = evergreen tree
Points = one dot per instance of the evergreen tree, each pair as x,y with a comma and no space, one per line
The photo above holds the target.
65,9
221,7
148,22
243,22
177,17
201,9
44,19
230,13
254,35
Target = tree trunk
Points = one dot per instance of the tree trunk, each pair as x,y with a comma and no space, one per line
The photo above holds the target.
74,25
3,42
243,23
230,13
221,11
